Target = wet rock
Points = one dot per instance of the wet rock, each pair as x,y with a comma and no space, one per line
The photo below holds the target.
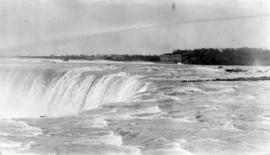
236,70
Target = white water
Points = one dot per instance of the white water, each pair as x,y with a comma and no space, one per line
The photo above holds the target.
140,109
48,92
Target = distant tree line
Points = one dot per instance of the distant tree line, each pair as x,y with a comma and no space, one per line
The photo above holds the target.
112,57
226,56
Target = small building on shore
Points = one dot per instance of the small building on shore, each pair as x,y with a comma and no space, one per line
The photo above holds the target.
171,58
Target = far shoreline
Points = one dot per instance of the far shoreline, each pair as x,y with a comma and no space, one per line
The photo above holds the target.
243,56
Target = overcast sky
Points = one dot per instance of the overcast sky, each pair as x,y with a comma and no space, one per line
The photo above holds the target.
39,27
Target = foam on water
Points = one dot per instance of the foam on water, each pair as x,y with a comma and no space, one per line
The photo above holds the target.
93,122
187,90
148,110
16,129
171,148
8,144
108,139
99,123
10,127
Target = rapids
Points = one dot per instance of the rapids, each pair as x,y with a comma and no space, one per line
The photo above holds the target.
49,107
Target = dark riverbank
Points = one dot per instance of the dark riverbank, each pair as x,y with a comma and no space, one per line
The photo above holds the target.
263,78
225,56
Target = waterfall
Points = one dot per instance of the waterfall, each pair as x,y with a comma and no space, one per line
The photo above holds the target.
34,92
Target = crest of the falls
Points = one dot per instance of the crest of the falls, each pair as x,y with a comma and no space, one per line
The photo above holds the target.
32,92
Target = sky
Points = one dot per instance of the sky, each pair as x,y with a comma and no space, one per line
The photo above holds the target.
44,27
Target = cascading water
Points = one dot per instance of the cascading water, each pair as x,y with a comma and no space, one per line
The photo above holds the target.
32,92
149,111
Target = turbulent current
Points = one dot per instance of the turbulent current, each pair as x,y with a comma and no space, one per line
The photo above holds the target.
107,108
